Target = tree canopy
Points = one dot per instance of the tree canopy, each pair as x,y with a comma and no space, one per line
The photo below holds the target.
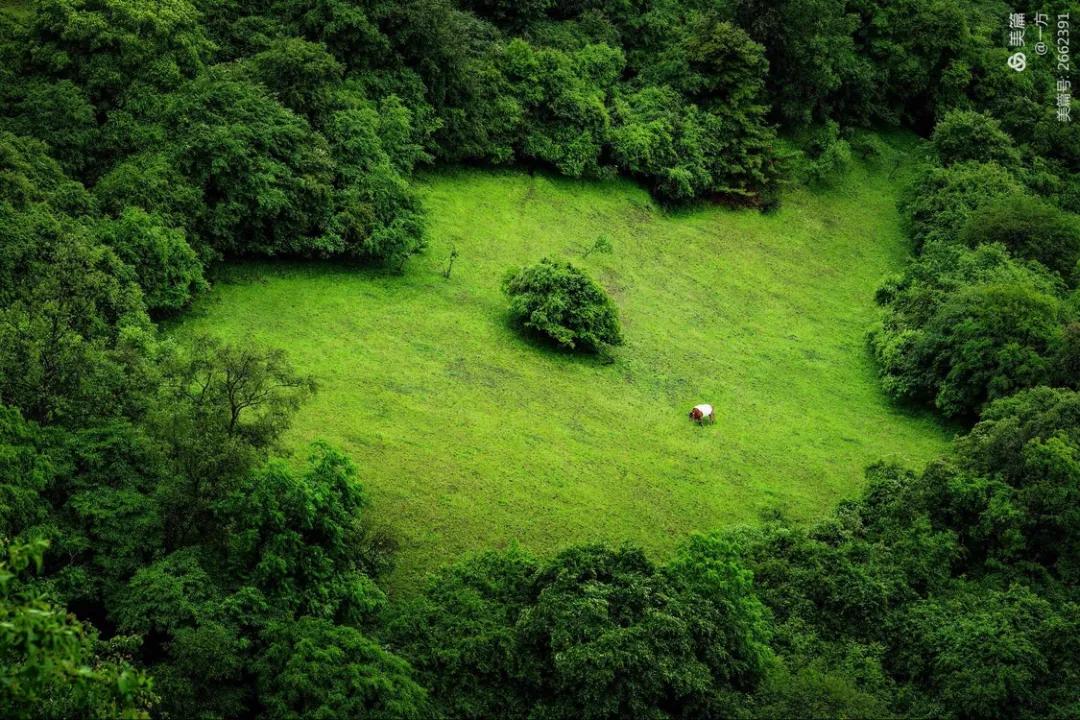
161,555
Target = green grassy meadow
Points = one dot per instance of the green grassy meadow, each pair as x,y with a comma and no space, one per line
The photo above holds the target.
469,436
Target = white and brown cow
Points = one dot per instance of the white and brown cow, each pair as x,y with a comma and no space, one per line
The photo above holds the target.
703,412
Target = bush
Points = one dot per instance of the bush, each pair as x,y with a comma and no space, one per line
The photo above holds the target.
1031,229
167,269
966,326
965,135
829,155
561,302
867,146
595,632
941,200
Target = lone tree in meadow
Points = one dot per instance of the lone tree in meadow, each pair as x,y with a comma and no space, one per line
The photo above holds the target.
561,302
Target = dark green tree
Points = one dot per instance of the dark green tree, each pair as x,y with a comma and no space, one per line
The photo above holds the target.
594,633
165,266
941,200
964,135
991,654
106,45
312,668
563,304
48,662
265,177
1031,229
302,75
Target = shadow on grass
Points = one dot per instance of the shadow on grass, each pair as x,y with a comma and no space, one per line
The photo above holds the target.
259,270
551,349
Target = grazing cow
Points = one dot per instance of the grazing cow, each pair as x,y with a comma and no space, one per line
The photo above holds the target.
702,412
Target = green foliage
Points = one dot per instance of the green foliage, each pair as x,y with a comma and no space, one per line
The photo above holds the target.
376,214
73,329
272,578
25,474
948,592
917,70
29,175
602,245
152,182
561,302
989,341
221,409
963,135
693,127
714,62
48,663
1067,358
302,75
828,155
659,137
1029,228
1028,446
510,13
167,269
297,536
350,30
593,633
246,586
316,669
810,49
942,200
56,112
963,327
819,678
990,654
265,178
698,127
562,95
106,45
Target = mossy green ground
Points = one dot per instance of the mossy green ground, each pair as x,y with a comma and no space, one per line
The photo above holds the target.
469,436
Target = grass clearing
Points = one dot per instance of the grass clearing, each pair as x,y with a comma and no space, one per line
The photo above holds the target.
468,436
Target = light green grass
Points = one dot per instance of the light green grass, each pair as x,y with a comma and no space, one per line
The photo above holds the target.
468,436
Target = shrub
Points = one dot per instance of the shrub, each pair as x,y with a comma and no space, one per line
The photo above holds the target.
942,199
595,632
965,135
829,155
867,146
962,327
1031,229
561,302
168,270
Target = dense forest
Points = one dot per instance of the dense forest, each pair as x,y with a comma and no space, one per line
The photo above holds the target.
161,560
